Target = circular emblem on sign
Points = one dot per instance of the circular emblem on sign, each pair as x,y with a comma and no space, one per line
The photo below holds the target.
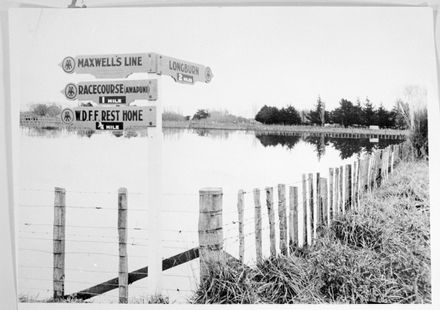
67,116
208,75
70,91
68,64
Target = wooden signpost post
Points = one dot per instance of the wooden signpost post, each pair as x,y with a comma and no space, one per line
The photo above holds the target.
115,114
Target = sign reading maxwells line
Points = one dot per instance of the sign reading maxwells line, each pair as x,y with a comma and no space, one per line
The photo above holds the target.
110,118
112,92
107,66
122,65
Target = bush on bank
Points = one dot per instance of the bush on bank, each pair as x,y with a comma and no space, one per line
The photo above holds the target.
379,254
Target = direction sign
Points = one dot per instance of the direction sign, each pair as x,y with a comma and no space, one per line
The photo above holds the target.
112,92
110,118
122,65
182,71
108,66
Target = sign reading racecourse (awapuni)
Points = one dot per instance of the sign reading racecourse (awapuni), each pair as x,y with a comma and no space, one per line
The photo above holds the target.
112,92
110,118
122,65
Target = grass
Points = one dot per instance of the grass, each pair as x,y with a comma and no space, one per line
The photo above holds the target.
379,254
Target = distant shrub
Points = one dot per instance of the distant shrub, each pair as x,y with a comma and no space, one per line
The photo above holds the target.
43,109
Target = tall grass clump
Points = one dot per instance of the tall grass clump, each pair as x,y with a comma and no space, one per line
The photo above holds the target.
379,253
413,110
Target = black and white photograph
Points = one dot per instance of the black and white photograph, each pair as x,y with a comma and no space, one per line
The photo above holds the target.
222,155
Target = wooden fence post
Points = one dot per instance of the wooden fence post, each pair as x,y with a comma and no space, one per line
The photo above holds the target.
324,202
122,236
358,180
304,211
392,159
258,237
341,190
316,206
336,203
293,216
330,195
384,165
240,225
59,234
210,228
353,185
271,215
310,210
282,218
347,189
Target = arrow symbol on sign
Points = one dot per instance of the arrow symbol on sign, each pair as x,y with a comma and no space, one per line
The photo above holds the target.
100,126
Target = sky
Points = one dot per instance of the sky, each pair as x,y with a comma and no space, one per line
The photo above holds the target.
274,56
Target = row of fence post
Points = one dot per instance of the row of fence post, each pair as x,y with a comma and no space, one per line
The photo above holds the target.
323,199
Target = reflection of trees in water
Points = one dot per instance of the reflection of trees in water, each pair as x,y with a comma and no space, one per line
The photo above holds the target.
274,140
212,133
347,147
320,142
42,132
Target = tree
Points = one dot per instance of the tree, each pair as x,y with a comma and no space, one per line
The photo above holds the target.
268,115
368,113
201,114
317,116
384,117
344,114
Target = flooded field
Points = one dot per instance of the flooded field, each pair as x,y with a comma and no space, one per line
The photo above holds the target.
92,166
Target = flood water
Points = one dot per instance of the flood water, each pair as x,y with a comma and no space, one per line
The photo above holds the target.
91,167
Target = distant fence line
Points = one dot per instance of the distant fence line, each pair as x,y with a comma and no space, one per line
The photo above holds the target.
337,132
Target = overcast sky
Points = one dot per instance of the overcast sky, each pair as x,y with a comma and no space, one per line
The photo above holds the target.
275,56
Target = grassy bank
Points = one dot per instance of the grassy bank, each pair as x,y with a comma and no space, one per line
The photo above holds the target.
380,254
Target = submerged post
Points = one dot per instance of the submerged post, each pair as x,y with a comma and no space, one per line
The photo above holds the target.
240,225
122,235
59,233
258,237
210,228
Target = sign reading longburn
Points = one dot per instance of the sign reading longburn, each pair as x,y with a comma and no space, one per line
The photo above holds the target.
122,65
112,92
110,118
183,71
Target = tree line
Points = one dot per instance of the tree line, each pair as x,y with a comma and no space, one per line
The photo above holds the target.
347,114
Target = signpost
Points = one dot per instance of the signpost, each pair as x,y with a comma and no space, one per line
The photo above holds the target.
123,65
112,92
110,118
120,116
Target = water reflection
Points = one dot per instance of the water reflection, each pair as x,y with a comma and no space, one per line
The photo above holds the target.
347,147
